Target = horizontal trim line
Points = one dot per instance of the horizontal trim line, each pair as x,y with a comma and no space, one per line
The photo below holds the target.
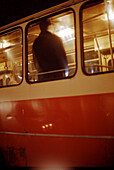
58,135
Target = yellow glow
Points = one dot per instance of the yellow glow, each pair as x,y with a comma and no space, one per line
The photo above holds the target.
43,127
6,76
65,33
5,44
47,125
111,15
110,10
1,45
50,124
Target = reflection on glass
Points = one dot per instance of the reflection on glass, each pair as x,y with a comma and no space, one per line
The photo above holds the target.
48,126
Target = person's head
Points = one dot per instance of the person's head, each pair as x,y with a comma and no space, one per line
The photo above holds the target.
44,24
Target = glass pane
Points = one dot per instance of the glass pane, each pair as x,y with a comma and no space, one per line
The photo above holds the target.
98,37
11,58
51,48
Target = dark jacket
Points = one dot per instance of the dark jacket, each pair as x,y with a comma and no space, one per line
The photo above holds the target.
49,53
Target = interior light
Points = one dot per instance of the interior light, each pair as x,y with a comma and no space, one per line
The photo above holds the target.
5,44
6,76
111,15
65,33
92,71
19,77
66,73
109,8
1,45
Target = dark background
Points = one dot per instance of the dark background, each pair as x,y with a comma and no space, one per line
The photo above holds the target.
12,10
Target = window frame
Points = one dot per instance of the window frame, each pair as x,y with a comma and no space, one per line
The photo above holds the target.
26,44
8,31
85,5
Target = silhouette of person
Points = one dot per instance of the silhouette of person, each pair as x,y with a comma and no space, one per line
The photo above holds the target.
49,54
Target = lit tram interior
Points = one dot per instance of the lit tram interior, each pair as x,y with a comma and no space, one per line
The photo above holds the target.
11,58
98,38
98,44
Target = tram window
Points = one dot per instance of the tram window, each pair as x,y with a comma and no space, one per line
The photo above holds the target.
11,58
98,37
51,48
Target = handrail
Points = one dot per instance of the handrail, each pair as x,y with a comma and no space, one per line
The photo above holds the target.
54,71
11,46
98,65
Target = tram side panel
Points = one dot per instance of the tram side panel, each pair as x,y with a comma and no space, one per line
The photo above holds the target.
66,129
58,128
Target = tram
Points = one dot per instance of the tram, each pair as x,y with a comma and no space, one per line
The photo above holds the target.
67,120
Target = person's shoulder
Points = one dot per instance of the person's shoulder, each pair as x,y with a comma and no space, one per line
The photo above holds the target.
36,40
54,36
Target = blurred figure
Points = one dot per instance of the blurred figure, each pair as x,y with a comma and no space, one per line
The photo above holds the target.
12,80
49,54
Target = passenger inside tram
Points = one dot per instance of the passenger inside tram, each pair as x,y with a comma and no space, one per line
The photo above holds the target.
49,53
98,44
62,65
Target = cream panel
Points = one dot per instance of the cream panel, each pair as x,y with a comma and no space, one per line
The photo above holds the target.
79,85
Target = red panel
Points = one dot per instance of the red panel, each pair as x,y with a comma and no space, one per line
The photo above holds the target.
36,151
78,115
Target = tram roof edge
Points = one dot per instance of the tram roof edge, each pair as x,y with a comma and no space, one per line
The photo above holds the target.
41,13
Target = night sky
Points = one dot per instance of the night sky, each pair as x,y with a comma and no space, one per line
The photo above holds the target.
12,10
